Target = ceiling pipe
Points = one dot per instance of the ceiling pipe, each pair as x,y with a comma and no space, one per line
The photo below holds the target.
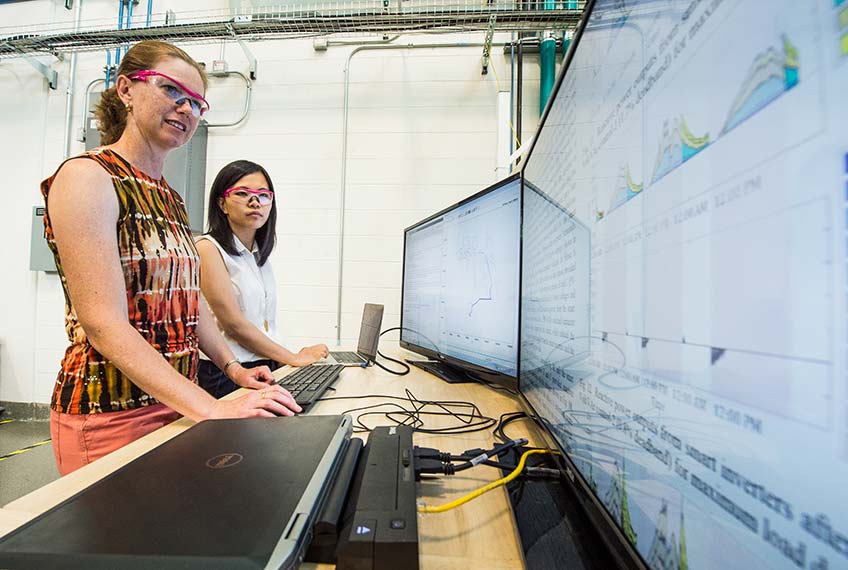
321,44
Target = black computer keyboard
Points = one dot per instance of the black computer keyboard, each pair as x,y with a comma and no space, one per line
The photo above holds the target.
347,357
308,383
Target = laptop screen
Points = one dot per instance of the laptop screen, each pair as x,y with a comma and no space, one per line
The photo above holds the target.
369,332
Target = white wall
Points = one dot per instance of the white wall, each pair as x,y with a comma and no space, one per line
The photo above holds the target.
422,135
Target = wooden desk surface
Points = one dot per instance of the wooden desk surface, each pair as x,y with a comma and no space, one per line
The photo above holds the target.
481,531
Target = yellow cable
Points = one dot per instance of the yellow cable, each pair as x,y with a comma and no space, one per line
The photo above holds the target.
497,79
498,83
474,494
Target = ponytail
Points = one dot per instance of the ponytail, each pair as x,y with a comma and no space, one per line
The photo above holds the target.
111,116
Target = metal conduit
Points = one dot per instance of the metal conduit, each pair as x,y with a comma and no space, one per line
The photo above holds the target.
247,98
87,97
519,88
344,151
72,81
513,137
384,41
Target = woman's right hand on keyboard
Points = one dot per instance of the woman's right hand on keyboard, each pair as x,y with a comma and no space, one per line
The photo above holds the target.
267,402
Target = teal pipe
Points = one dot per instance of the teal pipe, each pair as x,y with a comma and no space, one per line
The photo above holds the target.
547,62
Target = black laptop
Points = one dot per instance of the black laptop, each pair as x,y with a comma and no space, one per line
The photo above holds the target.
369,336
223,494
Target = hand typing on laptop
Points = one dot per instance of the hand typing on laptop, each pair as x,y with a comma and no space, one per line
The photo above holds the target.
309,354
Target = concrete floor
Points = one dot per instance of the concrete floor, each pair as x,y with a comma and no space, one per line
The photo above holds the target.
30,468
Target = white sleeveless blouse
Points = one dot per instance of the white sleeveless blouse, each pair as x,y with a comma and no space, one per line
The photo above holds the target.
255,291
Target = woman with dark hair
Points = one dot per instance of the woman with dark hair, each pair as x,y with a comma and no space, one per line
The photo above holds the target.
237,279
130,273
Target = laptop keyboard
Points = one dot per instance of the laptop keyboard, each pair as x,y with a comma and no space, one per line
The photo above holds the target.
347,357
308,383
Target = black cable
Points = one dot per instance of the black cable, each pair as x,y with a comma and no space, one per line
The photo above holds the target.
469,415
465,373
471,460
517,492
493,452
484,423
395,372
435,346
432,461
359,427
504,420
389,370
510,417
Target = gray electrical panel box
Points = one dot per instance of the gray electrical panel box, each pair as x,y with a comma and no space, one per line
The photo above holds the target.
40,256
185,172
185,168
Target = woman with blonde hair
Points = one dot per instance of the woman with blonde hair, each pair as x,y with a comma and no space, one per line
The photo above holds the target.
130,273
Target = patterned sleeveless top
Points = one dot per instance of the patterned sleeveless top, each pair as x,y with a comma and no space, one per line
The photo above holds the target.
161,272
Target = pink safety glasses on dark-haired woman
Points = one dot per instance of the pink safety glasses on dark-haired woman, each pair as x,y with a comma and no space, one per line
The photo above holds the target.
243,195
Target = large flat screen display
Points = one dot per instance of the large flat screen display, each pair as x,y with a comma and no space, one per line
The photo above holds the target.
684,319
460,281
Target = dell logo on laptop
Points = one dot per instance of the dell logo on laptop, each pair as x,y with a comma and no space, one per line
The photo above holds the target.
224,460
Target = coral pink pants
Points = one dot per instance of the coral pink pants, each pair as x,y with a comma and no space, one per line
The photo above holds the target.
79,439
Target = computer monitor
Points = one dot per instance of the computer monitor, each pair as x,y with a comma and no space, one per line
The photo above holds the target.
459,300
689,356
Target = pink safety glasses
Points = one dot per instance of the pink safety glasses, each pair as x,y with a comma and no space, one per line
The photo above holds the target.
173,89
243,195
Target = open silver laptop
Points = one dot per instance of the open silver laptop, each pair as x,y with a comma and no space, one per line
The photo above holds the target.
223,494
369,336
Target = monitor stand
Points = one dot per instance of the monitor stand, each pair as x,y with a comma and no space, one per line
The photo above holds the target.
446,372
